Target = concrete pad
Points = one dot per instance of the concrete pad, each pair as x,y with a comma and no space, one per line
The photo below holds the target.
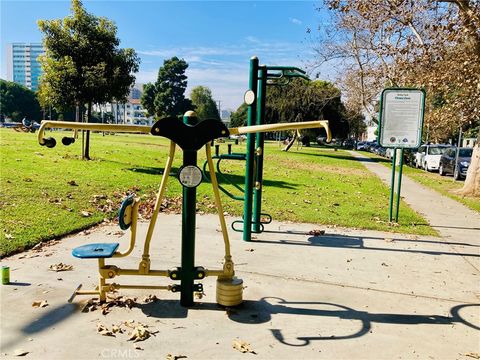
345,294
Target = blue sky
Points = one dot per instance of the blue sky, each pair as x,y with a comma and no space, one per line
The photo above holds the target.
216,38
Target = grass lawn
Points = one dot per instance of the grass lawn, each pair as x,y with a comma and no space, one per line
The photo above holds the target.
46,193
445,185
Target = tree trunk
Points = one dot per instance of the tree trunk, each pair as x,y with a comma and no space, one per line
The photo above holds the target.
471,187
87,138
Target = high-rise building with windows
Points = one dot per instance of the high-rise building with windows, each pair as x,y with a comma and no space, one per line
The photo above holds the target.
23,66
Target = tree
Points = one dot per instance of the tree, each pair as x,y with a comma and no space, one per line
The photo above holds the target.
167,96
17,102
429,44
205,106
307,100
82,64
239,117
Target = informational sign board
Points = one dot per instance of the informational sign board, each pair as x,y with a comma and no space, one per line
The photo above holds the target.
401,118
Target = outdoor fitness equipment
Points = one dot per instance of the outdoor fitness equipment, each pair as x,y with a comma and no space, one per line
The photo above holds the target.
255,97
191,135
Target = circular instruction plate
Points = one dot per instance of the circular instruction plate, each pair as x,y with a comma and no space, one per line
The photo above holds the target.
190,176
249,97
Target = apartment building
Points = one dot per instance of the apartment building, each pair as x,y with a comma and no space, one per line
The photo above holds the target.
23,66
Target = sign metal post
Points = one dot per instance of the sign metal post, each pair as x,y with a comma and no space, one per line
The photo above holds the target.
400,127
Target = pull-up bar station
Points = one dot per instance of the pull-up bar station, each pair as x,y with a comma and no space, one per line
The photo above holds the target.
260,77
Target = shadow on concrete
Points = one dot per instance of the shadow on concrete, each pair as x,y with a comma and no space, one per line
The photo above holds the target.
48,320
164,309
256,312
356,242
303,233
456,227
51,317
18,284
263,311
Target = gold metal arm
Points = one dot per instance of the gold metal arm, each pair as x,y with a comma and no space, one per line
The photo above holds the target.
47,124
144,265
282,126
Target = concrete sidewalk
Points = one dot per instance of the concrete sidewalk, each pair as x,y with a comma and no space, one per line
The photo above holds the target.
453,220
347,294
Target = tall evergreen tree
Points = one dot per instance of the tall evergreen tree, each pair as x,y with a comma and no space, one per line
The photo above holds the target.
167,96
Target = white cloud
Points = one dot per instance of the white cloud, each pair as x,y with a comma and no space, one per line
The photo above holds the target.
227,85
145,76
252,39
295,21
225,68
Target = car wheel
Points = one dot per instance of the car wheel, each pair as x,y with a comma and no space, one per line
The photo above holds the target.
456,174
440,170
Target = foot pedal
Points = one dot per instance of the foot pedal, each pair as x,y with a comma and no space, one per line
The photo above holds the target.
74,293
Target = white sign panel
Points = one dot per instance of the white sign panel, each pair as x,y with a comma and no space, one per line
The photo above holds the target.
401,118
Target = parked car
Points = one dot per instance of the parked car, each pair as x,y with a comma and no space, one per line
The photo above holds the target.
447,162
381,151
361,145
428,156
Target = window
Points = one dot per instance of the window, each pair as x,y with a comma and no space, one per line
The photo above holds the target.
465,152
436,150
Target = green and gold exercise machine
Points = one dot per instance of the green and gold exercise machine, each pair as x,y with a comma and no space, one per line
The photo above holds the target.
190,135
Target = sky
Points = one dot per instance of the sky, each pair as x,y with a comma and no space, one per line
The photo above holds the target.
216,38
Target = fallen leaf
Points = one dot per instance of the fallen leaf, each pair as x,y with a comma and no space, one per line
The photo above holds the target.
72,183
85,213
388,239
383,264
61,267
102,330
175,357
20,352
472,355
137,347
9,236
139,333
242,346
150,298
250,249
199,295
117,329
42,304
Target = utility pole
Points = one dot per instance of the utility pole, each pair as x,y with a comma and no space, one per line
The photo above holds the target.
219,109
